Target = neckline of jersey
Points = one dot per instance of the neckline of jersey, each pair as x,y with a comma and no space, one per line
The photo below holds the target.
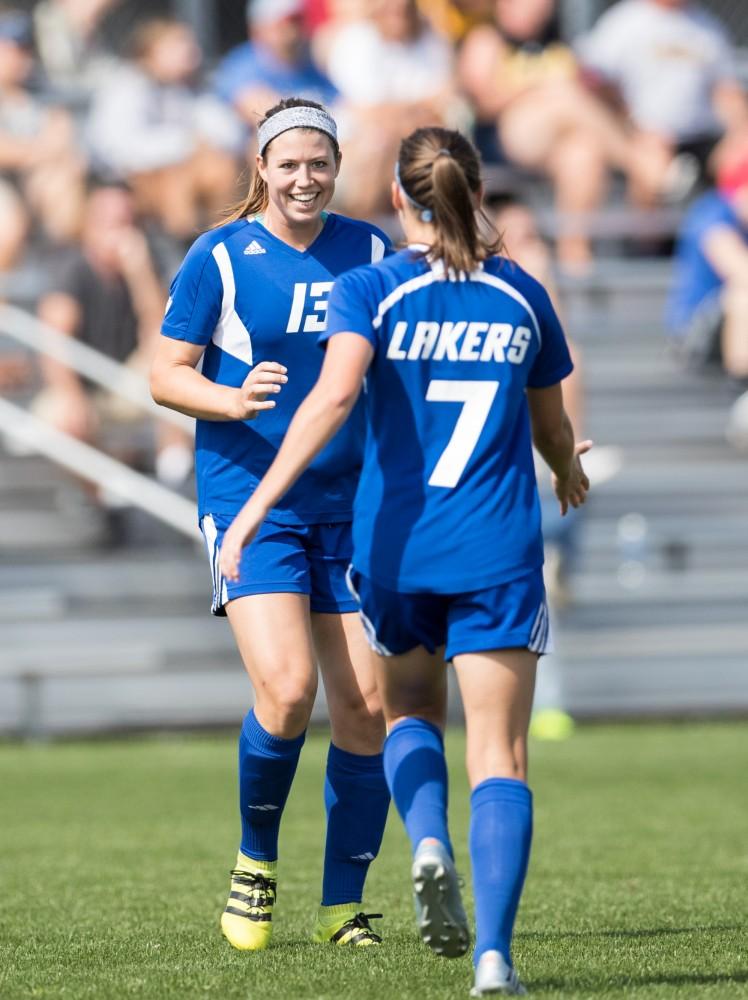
320,237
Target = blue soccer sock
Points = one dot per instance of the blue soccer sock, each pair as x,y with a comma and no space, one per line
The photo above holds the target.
267,765
500,837
356,800
416,773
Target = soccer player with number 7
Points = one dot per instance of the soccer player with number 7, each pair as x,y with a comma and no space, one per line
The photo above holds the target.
239,353
463,356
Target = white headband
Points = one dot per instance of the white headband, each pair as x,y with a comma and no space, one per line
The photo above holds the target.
303,117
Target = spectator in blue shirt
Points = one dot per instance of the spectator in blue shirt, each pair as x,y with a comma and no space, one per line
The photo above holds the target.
275,62
708,307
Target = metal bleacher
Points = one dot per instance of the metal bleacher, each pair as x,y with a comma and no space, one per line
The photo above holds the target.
671,637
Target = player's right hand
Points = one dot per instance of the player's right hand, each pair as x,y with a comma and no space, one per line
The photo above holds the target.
264,380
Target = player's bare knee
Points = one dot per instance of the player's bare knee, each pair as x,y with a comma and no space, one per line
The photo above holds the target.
289,702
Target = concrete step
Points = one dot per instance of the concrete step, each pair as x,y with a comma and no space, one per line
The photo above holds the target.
173,639
660,684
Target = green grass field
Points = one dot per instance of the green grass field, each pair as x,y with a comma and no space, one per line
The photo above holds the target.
115,856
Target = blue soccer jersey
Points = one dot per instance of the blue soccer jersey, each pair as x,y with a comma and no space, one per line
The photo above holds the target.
447,501
249,297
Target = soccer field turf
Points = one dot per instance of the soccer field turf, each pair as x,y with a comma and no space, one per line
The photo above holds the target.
116,854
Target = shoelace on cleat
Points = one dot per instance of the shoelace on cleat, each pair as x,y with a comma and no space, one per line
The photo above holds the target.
261,890
359,922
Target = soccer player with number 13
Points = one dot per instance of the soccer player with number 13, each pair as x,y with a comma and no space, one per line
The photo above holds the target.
249,303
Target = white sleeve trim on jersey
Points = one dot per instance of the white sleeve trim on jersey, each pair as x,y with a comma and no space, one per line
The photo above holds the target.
504,286
377,248
412,285
230,334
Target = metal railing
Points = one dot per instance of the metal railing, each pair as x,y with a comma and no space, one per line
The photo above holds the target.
84,460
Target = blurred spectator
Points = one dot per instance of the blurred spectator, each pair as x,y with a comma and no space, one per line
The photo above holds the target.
71,54
176,147
40,170
450,18
338,13
316,13
394,74
708,307
107,295
319,13
273,64
515,222
520,74
455,18
673,66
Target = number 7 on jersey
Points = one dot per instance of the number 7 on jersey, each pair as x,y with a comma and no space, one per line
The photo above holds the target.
478,397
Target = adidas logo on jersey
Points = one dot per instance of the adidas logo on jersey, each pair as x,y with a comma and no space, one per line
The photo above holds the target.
254,247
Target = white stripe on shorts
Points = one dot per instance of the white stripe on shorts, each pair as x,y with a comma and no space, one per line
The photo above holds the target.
220,591
369,631
541,640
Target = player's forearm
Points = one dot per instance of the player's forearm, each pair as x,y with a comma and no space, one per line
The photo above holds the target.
182,388
317,420
557,447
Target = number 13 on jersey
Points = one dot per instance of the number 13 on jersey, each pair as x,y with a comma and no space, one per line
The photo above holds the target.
477,397
317,294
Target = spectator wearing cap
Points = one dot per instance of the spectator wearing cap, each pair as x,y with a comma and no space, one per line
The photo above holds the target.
177,147
273,63
40,170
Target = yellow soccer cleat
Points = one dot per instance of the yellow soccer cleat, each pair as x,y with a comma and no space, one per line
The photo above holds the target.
344,925
247,920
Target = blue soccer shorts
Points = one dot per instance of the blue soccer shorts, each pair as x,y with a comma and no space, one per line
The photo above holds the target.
285,559
512,615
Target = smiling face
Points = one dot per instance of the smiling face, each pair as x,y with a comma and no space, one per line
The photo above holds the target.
299,168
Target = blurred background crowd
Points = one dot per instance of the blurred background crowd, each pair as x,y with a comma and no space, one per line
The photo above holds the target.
126,127
614,137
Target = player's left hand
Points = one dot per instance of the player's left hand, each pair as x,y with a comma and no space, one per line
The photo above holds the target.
571,491
241,531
